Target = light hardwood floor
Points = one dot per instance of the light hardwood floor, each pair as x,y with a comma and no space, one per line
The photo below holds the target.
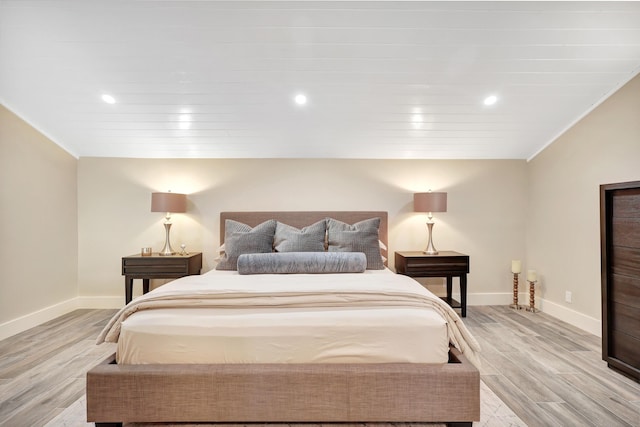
548,372
42,370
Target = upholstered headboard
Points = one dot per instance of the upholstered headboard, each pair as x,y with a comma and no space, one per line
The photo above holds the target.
300,219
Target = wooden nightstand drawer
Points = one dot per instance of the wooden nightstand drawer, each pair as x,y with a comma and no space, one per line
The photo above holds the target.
421,265
155,265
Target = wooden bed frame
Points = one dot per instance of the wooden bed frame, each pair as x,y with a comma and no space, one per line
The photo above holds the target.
286,393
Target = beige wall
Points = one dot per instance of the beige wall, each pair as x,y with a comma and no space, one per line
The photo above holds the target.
58,243
544,212
486,215
563,233
38,220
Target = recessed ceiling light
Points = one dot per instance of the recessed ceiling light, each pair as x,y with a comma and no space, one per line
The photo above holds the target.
416,121
490,100
108,99
300,99
185,121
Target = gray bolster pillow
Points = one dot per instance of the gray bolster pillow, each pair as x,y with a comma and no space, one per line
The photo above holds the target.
302,262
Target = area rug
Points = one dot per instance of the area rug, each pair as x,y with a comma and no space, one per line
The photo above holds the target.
493,412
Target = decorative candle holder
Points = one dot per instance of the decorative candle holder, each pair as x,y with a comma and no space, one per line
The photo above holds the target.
532,297
515,305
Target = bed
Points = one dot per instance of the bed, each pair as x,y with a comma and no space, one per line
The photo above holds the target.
348,380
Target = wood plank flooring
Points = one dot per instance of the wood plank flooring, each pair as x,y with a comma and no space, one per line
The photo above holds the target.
548,372
42,370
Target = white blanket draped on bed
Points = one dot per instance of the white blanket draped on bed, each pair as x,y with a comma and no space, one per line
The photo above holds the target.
231,290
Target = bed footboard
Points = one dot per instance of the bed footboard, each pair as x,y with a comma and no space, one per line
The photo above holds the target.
390,392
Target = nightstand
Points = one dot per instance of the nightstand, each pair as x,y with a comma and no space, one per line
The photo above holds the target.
157,267
447,264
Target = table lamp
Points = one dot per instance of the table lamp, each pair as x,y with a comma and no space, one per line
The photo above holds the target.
430,202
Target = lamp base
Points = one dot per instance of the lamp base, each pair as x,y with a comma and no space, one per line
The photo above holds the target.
167,250
431,250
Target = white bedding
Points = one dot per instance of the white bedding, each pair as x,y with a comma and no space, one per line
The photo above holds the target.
301,318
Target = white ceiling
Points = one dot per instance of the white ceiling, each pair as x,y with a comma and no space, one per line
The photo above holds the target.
383,79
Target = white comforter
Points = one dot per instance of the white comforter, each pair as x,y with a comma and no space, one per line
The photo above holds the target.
230,290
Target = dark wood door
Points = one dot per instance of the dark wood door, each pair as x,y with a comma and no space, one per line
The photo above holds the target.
620,236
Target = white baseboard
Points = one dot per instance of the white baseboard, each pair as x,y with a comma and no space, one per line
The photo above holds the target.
101,302
577,319
492,298
22,323
572,317
496,298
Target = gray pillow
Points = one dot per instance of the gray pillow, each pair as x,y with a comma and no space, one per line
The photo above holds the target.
241,239
307,239
359,237
302,263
